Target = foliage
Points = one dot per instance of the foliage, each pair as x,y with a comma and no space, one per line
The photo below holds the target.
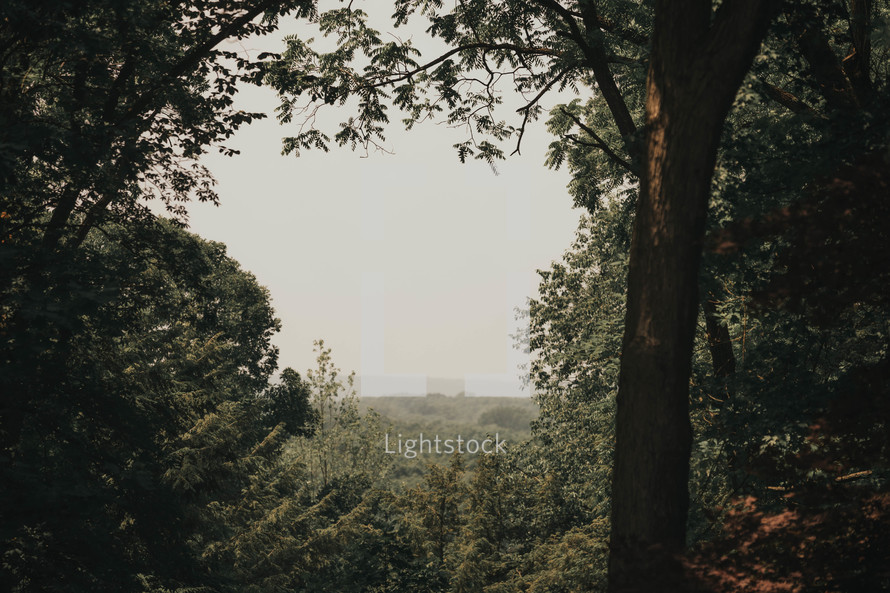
132,355
345,444
140,408
532,46
288,402
511,417
454,412
504,418
107,103
796,172
144,447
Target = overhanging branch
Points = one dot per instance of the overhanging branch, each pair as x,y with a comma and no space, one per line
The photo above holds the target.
518,49
598,142
527,109
597,60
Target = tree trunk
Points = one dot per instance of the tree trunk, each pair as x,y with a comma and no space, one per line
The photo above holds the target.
719,342
696,66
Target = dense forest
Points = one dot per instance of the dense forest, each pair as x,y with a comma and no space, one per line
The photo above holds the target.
710,356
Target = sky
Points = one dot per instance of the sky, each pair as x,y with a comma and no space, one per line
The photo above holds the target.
408,264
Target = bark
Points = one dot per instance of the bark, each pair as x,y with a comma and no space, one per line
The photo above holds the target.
696,67
857,65
723,364
55,228
825,66
786,99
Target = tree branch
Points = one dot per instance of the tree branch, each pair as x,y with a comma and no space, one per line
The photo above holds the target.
830,77
603,74
518,49
597,60
194,56
608,25
726,34
598,143
526,110
786,99
630,35
857,66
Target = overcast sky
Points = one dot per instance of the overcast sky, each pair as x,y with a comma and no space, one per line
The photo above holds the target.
408,265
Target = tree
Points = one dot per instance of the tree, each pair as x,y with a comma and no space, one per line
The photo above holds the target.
119,381
800,250
699,57
105,104
343,443
697,64
576,326
288,403
433,516
142,403
312,518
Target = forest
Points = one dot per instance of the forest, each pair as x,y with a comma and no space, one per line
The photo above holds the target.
710,357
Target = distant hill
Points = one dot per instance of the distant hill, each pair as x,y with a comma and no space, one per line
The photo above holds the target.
420,386
437,410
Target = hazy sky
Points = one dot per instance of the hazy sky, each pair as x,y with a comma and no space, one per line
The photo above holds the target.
408,265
